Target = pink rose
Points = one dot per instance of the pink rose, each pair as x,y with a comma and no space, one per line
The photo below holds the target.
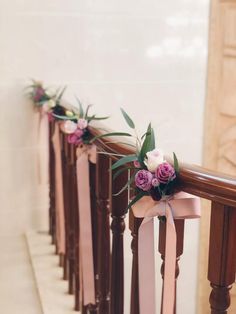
143,180
79,132
155,182
74,139
137,164
165,173
82,124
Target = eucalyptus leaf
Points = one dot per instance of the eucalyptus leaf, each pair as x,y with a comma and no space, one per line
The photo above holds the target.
81,110
61,93
148,143
110,134
123,161
64,117
135,199
90,118
130,181
145,134
176,163
120,171
153,144
87,110
128,119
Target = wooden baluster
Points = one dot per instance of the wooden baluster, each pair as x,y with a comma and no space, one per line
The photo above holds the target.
93,308
119,204
103,233
179,225
134,224
222,256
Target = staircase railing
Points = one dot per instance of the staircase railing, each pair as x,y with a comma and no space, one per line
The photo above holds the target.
108,212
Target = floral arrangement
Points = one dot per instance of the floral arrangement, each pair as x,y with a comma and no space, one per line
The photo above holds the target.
152,174
75,121
45,100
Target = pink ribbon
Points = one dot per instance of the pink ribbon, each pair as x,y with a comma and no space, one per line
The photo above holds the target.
59,200
43,157
84,155
180,206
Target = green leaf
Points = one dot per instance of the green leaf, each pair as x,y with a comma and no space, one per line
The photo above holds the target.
176,163
86,112
130,181
128,119
148,143
61,93
64,117
81,110
145,134
110,134
120,171
135,199
90,118
123,161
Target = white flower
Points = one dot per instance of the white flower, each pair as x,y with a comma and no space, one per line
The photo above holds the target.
154,159
48,105
70,127
69,113
51,103
82,124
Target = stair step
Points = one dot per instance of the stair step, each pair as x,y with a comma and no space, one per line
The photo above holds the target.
51,287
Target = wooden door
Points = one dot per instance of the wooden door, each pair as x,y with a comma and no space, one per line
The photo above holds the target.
220,119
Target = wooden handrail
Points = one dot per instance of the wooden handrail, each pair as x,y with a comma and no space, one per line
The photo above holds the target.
196,180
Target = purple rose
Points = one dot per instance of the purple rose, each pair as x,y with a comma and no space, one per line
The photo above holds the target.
165,173
143,180
39,93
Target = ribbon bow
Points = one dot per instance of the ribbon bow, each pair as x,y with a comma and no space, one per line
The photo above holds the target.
85,154
179,206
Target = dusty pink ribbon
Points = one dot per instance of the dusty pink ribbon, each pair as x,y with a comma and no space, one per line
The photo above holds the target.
84,155
43,156
59,199
180,206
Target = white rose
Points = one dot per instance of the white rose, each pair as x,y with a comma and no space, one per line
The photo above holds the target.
154,159
69,127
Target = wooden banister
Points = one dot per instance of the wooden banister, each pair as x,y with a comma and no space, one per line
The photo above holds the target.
220,189
109,212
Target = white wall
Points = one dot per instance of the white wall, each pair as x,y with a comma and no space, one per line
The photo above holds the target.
144,55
